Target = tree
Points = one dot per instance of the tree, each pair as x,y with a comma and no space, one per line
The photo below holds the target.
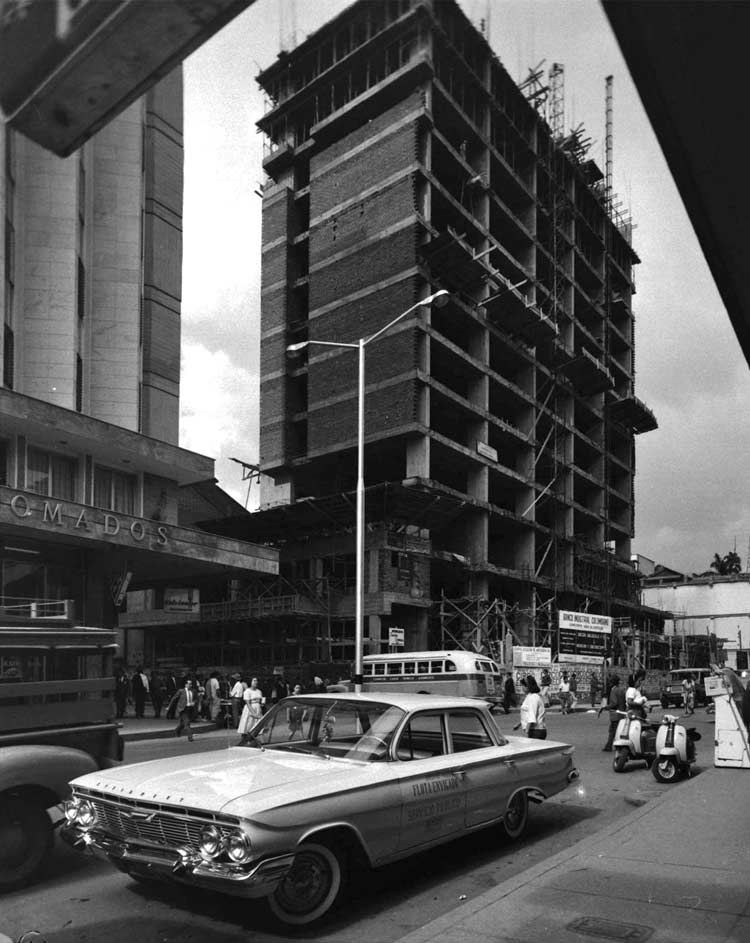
729,563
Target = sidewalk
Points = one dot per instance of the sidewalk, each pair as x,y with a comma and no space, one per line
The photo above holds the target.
154,728
674,871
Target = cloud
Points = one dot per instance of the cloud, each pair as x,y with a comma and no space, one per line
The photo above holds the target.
219,413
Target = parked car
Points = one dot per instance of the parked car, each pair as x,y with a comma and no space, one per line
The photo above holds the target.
328,783
672,696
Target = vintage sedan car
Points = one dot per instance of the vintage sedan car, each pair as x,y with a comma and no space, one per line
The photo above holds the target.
327,783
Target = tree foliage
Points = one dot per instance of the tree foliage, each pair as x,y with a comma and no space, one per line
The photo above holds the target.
728,564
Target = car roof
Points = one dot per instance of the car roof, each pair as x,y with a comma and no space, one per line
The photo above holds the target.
690,671
396,699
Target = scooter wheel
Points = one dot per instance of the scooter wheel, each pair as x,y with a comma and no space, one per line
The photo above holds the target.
666,770
619,760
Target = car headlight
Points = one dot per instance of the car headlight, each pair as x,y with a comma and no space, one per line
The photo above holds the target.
238,847
70,809
210,841
80,812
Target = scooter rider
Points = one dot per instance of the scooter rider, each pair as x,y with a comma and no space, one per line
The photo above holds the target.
615,705
635,699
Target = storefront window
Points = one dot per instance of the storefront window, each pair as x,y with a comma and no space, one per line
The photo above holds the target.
53,476
114,490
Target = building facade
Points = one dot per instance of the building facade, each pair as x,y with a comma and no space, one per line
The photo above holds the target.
499,429
98,503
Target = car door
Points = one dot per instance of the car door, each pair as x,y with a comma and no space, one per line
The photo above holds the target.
489,772
433,795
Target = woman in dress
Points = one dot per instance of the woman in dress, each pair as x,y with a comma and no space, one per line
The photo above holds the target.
252,711
532,710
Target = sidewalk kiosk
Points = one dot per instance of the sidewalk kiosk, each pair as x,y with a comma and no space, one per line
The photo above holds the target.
732,745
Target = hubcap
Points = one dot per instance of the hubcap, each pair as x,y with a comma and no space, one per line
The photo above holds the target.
306,884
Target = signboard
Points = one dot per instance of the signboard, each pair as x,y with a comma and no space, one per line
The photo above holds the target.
584,637
524,656
67,67
396,637
487,450
182,600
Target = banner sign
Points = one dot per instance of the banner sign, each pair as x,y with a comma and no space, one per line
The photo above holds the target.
182,600
584,637
524,656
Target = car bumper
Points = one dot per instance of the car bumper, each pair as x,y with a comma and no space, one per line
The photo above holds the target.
254,879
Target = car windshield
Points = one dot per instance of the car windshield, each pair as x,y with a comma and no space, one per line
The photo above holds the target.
353,730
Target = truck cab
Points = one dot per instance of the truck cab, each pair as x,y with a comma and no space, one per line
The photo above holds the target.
56,723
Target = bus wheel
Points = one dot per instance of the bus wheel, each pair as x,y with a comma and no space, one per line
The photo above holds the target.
25,842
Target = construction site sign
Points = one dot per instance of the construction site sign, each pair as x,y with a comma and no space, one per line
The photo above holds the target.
524,656
584,637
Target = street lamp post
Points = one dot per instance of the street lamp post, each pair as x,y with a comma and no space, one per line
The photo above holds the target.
439,298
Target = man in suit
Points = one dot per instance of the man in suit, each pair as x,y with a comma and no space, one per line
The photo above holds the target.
139,685
184,710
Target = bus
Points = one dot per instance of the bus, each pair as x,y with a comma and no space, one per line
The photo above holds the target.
462,673
56,723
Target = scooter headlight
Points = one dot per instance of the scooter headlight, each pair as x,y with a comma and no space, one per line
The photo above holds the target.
210,841
238,847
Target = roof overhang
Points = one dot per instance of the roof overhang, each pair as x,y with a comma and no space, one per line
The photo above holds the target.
63,430
687,59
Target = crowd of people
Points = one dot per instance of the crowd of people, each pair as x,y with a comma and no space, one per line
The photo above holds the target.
236,700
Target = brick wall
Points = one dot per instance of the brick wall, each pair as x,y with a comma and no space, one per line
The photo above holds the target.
385,409
369,265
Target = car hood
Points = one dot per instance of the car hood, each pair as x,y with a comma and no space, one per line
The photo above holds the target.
215,782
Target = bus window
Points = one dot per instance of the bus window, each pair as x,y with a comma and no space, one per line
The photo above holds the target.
450,666
379,667
394,668
367,669
423,667
436,667
409,667
485,666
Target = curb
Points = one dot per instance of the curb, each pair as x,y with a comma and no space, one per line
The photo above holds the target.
165,733
441,927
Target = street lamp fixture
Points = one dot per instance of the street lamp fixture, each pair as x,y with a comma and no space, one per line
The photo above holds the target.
439,299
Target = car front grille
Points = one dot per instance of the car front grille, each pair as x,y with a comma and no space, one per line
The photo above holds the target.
150,823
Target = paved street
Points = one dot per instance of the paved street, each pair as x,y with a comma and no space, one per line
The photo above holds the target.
84,900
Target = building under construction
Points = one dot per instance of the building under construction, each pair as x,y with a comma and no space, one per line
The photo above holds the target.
499,429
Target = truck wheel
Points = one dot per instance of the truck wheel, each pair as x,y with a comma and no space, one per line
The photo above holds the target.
310,887
25,842
619,760
666,770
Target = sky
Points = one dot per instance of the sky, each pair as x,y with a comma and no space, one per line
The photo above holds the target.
690,495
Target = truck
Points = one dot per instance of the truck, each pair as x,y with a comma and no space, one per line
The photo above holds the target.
56,723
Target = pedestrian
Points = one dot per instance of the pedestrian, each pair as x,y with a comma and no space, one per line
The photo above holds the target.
532,710
573,691
296,714
318,685
546,682
252,710
122,691
185,709
235,696
157,692
170,690
688,694
139,686
595,689
213,699
279,689
616,707
564,693
509,693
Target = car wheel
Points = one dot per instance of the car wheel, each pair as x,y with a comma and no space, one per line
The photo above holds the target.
666,770
516,815
619,760
310,887
25,842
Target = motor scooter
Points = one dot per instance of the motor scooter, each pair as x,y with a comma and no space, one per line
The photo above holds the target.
675,750
635,739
